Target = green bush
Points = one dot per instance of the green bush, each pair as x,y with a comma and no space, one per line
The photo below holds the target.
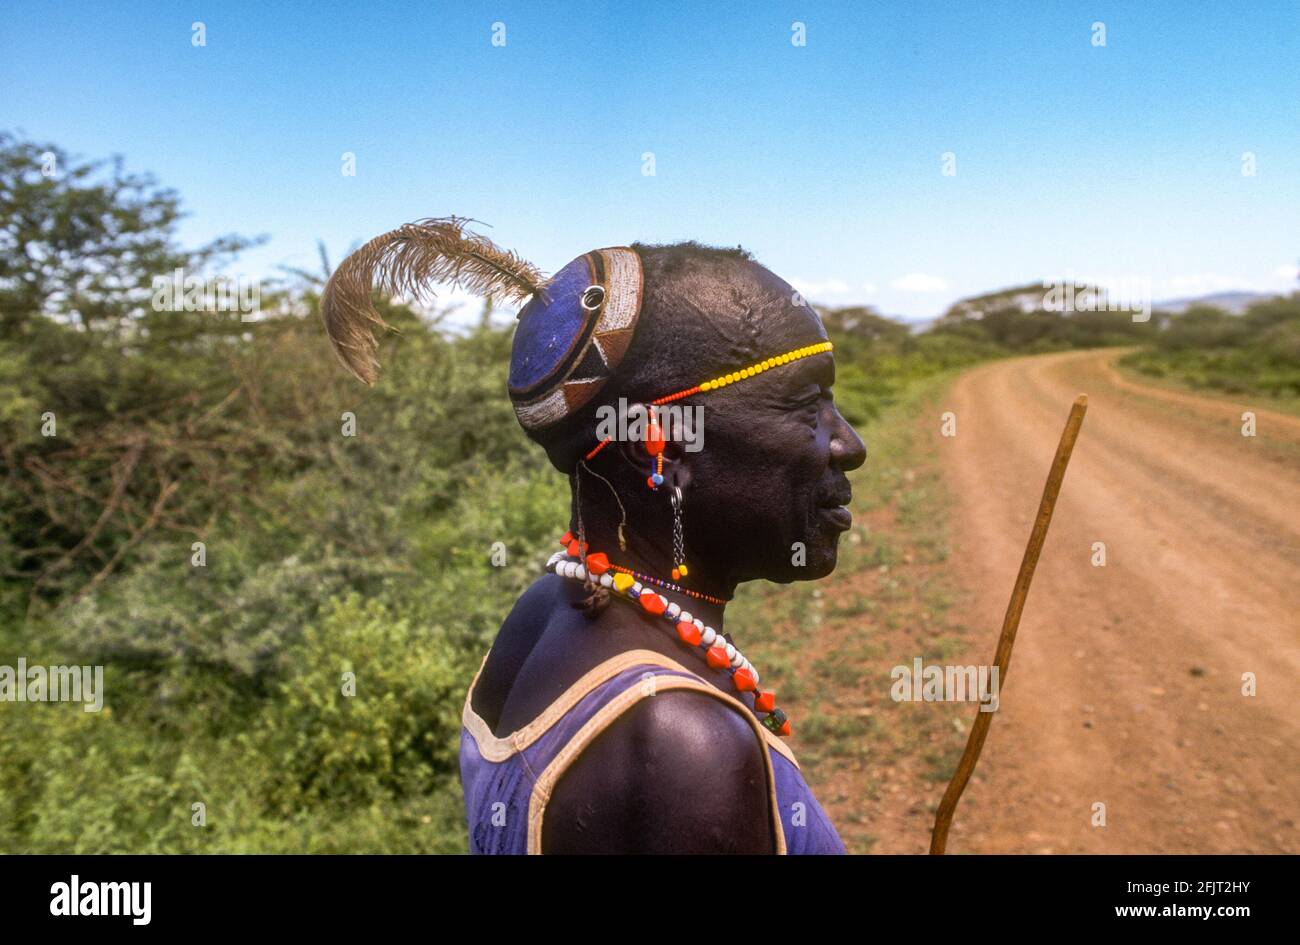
397,729
1250,354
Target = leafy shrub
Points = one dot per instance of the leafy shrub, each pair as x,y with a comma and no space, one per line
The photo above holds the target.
1257,352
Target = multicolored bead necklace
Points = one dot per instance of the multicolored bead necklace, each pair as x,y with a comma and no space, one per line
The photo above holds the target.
668,585
716,650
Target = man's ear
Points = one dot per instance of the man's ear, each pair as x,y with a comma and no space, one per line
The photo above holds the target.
679,473
677,461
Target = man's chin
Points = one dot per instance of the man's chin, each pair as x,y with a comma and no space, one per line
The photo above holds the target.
817,562
823,564
829,527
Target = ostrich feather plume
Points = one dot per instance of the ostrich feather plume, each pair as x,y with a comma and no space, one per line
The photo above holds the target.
404,262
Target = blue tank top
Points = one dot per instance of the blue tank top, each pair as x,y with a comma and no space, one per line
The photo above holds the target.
508,780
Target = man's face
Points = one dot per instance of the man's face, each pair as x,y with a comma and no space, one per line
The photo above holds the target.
769,488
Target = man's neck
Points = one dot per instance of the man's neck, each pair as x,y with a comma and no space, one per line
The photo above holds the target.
646,557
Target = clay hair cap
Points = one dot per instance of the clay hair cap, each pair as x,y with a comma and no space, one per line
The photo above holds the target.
573,334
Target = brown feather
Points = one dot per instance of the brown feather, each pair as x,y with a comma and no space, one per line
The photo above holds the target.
403,262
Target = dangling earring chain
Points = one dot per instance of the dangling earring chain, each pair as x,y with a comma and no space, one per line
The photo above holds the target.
679,553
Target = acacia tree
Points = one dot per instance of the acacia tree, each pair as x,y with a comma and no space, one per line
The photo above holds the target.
82,240
98,398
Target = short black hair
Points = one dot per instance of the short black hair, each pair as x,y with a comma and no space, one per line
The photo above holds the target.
673,255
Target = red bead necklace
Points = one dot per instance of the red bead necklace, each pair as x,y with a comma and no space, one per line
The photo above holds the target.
716,650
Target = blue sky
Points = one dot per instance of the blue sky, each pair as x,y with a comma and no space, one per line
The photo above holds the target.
1120,162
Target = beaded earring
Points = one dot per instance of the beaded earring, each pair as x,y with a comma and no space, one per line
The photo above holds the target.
654,445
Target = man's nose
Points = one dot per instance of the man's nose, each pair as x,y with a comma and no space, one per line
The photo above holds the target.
847,449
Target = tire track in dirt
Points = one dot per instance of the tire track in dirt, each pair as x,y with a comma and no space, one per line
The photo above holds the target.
1125,686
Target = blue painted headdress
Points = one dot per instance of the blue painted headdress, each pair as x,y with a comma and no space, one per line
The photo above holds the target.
573,334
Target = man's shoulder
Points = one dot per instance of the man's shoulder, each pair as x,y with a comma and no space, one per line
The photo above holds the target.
695,725
678,771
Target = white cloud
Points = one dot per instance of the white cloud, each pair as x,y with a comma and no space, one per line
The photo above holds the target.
919,282
1287,272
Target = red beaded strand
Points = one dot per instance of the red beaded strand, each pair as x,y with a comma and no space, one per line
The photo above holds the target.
650,579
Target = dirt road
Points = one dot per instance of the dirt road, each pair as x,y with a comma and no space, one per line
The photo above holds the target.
1126,684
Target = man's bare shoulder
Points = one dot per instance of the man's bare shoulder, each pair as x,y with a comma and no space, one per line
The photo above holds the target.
678,772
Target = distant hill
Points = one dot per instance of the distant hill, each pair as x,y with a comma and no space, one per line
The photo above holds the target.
1233,302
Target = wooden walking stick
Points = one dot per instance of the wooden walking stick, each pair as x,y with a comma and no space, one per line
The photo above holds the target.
1010,623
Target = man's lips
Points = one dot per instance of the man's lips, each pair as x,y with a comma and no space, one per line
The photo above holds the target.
839,516
835,510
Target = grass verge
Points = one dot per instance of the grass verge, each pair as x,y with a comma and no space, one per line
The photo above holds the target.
828,647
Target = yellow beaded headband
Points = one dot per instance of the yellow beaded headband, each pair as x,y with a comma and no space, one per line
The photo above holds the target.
654,436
